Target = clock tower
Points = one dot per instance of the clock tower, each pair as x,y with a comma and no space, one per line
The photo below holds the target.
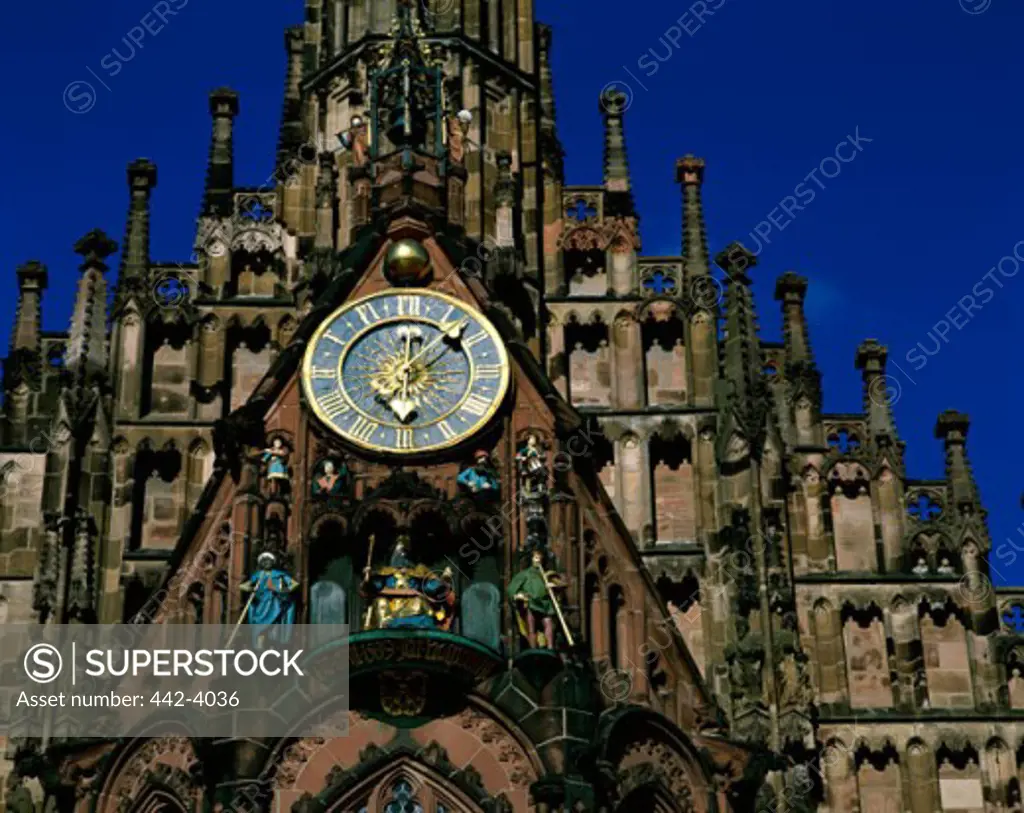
409,466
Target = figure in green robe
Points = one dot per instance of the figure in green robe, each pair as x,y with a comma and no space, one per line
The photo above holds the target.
532,593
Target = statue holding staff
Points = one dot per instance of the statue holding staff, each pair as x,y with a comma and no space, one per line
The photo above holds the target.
533,593
271,606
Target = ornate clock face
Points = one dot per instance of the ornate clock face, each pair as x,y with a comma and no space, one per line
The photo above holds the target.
405,371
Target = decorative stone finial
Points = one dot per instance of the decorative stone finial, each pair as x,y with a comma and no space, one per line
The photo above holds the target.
32,276
224,103
95,247
142,174
791,287
690,170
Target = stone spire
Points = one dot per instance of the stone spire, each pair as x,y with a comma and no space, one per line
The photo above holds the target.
220,171
791,291
801,371
951,428
32,280
135,256
87,339
619,197
551,147
291,134
23,365
690,173
880,391
742,350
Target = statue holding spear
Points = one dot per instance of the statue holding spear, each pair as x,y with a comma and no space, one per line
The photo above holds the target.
533,593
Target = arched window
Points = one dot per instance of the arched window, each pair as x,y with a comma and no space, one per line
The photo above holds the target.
403,799
407,793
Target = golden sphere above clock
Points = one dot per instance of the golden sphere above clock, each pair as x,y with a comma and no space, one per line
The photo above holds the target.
405,371
407,262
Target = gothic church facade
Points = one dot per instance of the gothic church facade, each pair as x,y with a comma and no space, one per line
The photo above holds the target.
761,606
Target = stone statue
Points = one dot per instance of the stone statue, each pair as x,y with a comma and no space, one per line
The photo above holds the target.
271,606
532,593
480,479
330,479
533,468
945,568
921,567
275,461
404,595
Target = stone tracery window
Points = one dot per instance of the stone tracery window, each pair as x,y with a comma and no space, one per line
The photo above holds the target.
659,281
404,794
581,210
1013,618
403,799
923,507
844,441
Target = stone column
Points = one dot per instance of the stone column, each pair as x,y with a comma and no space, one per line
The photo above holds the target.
629,365
634,479
924,797
705,483
703,358
621,264
210,367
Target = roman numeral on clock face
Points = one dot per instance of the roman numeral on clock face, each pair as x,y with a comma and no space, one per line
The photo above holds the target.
408,306
323,372
476,405
333,404
446,430
367,313
363,428
476,338
485,372
403,438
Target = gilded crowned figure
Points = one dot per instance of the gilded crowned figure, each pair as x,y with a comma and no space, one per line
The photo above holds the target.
405,595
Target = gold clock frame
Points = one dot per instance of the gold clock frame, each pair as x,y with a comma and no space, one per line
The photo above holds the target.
331,319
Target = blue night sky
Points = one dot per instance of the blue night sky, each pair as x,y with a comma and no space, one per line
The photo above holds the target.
764,91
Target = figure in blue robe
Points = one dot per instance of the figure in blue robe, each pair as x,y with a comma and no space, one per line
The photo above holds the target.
272,608
276,460
480,479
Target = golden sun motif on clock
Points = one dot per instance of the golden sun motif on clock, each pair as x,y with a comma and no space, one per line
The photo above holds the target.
405,371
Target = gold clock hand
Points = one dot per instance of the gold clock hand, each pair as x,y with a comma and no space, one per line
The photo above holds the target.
450,330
